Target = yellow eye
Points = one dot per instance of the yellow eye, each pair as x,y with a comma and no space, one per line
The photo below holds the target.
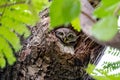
60,33
70,36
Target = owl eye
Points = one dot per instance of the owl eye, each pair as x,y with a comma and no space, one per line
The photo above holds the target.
70,36
60,33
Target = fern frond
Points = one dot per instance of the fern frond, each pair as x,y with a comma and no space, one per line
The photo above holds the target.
14,16
111,66
113,51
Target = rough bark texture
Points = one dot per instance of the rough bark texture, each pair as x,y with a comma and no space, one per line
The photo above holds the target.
43,58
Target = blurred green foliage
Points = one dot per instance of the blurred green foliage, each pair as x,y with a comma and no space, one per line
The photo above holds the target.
107,27
105,69
63,12
14,16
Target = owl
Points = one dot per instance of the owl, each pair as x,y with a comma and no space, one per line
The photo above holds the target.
67,39
66,36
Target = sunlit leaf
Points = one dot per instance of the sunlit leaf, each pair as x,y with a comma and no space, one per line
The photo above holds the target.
103,10
64,11
37,5
108,3
76,24
90,68
3,2
105,29
11,37
5,51
16,26
22,14
2,60
14,16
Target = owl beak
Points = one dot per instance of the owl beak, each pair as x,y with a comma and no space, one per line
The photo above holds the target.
65,39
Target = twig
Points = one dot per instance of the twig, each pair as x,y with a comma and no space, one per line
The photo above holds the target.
7,5
94,21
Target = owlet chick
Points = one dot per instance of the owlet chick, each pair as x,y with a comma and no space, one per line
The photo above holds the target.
66,36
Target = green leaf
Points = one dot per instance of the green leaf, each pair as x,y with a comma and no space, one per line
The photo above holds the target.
16,26
2,60
103,10
10,37
23,14
76,24
3,2
63,11
14,16
5,52
38,5
90,68
105,29
109,2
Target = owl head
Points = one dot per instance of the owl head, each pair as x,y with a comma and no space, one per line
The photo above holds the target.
66,36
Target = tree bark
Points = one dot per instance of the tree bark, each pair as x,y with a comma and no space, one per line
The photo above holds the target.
42,59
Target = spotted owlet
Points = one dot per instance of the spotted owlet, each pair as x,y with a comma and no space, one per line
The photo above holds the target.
66,36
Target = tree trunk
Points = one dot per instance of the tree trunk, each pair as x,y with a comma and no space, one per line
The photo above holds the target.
43,59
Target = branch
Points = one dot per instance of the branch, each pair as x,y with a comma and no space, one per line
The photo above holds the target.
94,21
87,22
11,4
